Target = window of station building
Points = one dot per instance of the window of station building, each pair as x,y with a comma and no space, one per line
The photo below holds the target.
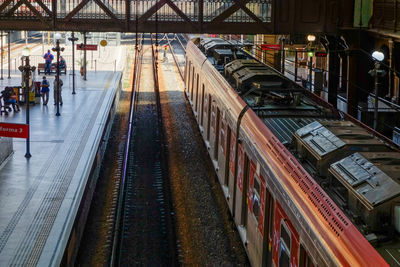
284,248
305,259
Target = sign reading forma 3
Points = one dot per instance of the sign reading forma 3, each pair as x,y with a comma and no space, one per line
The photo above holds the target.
14,130
86,47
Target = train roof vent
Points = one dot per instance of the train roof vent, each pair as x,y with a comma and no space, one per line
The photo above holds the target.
367,181
238,64
322,143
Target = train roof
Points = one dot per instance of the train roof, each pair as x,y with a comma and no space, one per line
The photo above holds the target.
317,136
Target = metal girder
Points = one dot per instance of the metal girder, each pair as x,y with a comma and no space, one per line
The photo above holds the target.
270,17
4,5
76,10
108,11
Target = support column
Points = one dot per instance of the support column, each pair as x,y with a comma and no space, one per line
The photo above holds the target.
343,80
390,72
333,77
84,56
352,73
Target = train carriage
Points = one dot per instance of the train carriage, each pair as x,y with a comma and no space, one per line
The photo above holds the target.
283,215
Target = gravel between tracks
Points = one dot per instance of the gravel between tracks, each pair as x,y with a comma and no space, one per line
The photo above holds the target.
205,232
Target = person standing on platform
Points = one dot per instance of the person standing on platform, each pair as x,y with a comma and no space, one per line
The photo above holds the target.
57,91
45,90
63,64
48,58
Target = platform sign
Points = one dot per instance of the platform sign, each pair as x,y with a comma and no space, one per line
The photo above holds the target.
270,47
15,130
86,47
320,54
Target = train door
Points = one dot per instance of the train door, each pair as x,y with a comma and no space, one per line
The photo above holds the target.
227,154
188,80
217,126
245,201
284,245
209,117
202,106
286,240
186,73
305,259
268,225
197,93
192,85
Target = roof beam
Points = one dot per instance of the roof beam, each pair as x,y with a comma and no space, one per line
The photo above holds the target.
76,10
181,14
108,11
228,12
152,10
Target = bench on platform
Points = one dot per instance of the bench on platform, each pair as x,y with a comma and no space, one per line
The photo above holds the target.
53,69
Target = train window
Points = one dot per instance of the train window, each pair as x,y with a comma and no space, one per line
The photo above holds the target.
256,198
197,92
257,185
284,248
202,106
189,75
222,139
256,206
192,85
305,259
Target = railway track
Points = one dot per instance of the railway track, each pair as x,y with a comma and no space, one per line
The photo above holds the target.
144,227
177,45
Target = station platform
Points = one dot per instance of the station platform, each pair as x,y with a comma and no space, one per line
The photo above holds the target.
40,197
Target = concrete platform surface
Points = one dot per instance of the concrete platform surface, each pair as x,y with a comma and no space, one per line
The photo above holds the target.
39,197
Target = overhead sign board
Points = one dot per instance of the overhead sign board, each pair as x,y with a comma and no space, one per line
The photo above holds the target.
15,130
320,54
86,47
270,47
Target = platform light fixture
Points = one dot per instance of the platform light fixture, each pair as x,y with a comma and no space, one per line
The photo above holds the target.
26,52
311,37
378,56
58,49
73,39
26,71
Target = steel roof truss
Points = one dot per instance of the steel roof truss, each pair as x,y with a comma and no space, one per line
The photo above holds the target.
181,14
108,11
45,8
152,10
14,8
4,5
76,10
248,12
228,12
37,13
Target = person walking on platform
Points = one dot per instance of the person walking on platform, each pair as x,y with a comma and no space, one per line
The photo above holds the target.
48,58
57,91
45,90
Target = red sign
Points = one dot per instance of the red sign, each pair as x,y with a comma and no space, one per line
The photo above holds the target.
14,130
86,47
320,54
270,47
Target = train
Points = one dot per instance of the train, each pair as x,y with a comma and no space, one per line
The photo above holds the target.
306,185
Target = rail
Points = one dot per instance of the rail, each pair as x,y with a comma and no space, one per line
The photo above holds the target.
114,259
174,56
